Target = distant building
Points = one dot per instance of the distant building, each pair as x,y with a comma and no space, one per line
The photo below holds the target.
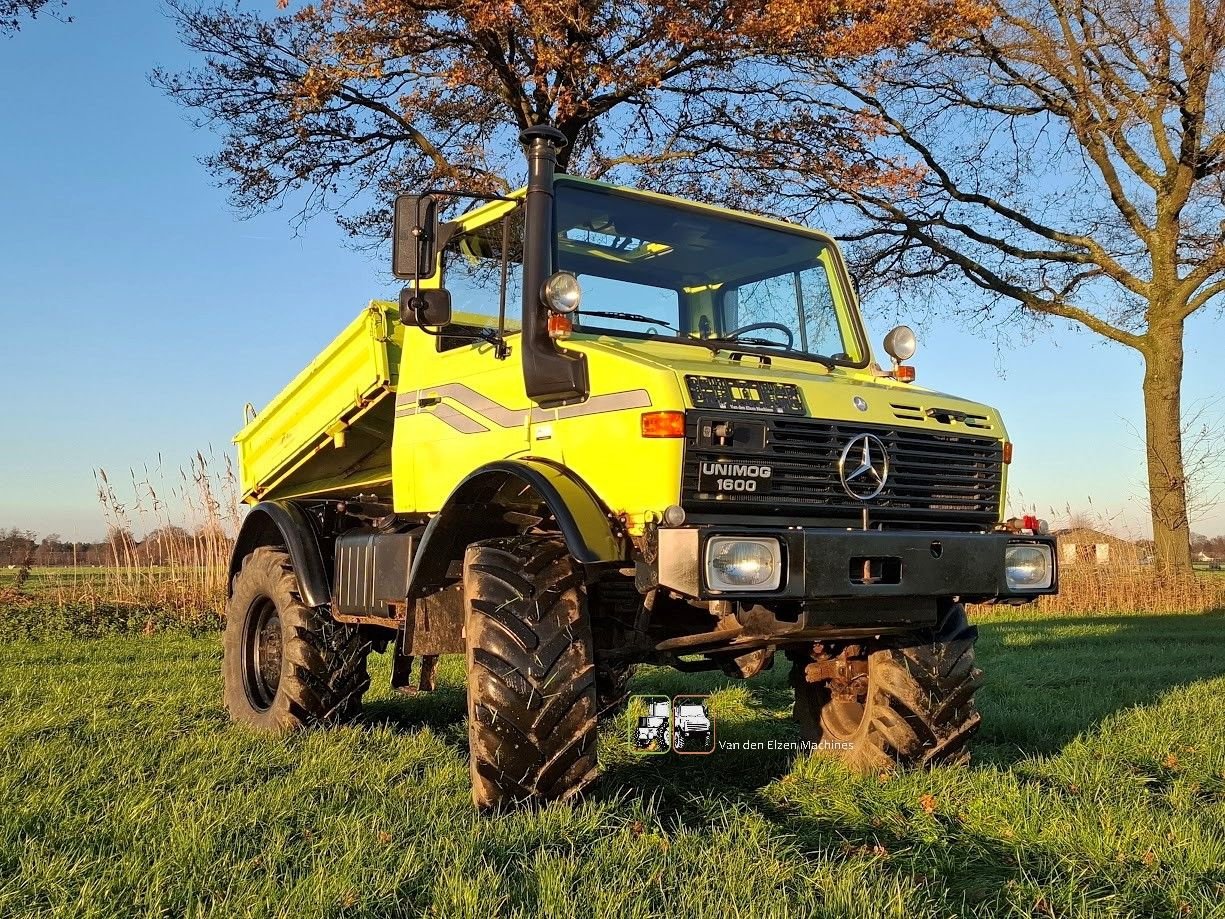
1084,546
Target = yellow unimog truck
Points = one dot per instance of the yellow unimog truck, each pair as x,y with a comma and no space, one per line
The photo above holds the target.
605,427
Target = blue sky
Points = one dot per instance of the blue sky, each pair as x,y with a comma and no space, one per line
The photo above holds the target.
138,312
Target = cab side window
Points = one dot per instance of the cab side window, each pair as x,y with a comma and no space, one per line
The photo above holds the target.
472,272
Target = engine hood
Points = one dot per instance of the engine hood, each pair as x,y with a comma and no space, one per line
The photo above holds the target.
842,393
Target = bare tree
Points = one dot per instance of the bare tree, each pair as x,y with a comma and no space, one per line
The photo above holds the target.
348,102
1203,447
12,12
1066,162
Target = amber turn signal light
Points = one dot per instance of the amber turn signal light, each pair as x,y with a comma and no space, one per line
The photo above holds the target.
560,325
663,424
1008,451
903,374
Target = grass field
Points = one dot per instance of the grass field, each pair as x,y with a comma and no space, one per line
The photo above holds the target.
1098,790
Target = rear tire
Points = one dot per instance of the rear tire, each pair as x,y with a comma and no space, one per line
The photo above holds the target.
287,665
918,709
531,677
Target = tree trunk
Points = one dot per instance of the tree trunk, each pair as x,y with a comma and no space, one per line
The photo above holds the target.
1167,481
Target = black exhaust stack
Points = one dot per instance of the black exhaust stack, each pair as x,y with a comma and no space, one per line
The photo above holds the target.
551,375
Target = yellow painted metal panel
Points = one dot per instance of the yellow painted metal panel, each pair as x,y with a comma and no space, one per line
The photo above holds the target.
458,410
332,404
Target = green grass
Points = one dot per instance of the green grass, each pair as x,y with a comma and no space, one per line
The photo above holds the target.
43,578
1098,790
48,578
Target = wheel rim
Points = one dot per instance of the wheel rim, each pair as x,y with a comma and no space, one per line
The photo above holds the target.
841,719
262,653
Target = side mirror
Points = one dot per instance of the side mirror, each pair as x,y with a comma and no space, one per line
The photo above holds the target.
414,237
425,307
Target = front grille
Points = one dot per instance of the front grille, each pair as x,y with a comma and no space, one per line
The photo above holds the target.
949,480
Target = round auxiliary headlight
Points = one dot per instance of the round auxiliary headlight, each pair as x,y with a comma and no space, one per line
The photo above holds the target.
674,515
561,292
900,343
1027,567
744,564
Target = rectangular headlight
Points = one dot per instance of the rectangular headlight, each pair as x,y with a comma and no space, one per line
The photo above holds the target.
739,563
1028,566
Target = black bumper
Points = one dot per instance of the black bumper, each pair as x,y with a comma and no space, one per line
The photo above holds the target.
857,565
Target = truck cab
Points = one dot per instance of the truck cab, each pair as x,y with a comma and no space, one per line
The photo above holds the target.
605,427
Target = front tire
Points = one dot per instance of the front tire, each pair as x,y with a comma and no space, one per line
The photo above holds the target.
531,676
287,665
918,708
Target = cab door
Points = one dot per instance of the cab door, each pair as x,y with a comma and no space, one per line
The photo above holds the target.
460,405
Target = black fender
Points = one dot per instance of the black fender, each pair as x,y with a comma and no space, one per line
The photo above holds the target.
288,524
500,499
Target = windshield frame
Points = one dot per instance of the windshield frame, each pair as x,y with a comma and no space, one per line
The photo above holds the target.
842,289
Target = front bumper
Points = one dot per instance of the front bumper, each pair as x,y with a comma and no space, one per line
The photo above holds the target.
863,568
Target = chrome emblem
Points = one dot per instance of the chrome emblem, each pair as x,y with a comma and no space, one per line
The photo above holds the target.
860,403
864,467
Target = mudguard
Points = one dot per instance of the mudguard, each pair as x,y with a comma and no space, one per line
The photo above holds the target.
288,524
495,500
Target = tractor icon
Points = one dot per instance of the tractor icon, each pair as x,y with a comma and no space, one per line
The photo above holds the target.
693,731
654,728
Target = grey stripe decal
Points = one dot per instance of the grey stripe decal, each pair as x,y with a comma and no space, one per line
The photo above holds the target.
504,417
596,405
458,420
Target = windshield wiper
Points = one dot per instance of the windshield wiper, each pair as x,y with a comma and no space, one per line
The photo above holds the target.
710,339
629,317
826,362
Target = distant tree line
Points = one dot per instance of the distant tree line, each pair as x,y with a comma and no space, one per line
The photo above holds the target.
1211,546
163,546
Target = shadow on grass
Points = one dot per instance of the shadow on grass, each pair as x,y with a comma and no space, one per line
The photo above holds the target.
1048,680
438,710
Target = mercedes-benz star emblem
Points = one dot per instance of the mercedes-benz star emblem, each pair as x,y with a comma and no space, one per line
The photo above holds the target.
864,467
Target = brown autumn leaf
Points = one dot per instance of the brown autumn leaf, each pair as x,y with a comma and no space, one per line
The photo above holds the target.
351,96
928,803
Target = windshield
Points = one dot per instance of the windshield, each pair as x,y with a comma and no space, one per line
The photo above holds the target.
686,273
692,711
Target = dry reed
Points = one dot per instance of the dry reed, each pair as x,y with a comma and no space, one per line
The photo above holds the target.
180,566
1129,587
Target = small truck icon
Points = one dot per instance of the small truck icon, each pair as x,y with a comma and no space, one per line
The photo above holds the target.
653,728
692,730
